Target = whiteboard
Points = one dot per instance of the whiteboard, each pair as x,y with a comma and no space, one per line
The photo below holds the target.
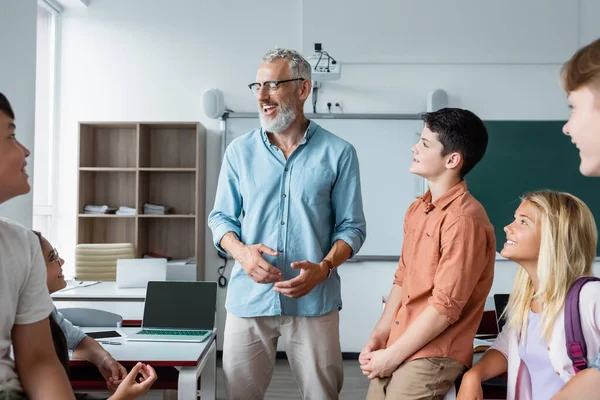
384,155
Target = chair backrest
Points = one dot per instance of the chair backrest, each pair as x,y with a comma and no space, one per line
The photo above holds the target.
91,317
98,261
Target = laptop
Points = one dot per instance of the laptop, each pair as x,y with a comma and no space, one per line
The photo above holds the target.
500,303
178,311
137,272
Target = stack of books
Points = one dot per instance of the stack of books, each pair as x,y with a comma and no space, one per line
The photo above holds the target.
156,209
95,209
123,210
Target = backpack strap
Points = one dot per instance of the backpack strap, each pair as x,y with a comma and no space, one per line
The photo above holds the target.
576,348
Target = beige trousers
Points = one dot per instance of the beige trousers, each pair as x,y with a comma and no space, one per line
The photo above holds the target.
421,379
312,345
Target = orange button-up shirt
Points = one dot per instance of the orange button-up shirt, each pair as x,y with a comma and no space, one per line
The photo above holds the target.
447,262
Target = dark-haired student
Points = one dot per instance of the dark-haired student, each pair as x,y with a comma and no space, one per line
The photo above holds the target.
35,372
67,337
424,339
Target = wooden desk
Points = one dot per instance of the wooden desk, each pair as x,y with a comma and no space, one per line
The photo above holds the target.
179,365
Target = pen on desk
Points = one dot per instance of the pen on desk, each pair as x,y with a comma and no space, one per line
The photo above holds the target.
107,342
90,284
78,285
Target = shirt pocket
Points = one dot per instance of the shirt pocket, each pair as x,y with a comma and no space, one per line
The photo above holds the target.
426,256
430,246
313,185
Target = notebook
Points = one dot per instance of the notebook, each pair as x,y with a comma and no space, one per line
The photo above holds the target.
178,311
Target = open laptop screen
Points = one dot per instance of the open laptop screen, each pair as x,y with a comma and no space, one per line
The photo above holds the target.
180,305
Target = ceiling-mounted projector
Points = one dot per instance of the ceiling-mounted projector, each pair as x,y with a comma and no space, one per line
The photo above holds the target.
323,66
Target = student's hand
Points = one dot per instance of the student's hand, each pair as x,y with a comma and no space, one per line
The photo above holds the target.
380,365
113,372
377,341
130,389
311,275
470,388
252,261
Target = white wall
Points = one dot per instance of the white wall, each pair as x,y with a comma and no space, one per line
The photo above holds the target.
148,60
17,83
151,59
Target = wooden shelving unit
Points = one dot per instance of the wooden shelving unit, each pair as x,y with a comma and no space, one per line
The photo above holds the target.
130,164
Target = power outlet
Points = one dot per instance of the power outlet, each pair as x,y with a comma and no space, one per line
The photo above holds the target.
334,108
337,106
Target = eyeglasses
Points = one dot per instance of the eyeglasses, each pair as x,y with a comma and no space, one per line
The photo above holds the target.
54,257
271,86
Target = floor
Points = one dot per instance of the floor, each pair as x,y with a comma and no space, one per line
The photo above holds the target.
284,387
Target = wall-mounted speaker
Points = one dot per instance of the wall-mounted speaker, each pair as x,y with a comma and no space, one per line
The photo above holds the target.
436,100
213,103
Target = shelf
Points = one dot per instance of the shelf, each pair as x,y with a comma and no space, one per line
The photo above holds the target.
171,237
107,169
133,163
115,189
168,169
109,146
106,230
174,189
168,146
167,216
105,216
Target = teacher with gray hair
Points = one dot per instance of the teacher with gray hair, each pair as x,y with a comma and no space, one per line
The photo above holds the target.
297,187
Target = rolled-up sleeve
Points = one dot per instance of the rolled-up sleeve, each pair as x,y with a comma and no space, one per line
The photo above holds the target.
73,335
350,224
463,258
225,215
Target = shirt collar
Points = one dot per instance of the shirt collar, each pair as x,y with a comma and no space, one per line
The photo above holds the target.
310,131
456,191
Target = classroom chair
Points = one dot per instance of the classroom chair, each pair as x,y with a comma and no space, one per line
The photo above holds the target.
98,261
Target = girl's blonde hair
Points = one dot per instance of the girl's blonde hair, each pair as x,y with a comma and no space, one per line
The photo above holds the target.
568,239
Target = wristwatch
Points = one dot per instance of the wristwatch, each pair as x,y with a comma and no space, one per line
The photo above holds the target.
330,266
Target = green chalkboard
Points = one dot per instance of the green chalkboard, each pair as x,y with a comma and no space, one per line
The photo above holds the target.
523,156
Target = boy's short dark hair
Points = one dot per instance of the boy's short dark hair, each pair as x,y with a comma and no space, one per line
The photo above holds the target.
6,107
459,131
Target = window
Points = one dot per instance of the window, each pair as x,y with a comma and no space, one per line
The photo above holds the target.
43,152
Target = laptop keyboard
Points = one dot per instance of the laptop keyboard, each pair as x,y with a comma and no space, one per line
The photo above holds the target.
175,332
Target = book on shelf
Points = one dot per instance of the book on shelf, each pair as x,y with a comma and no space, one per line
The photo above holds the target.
98,209
123,210
156,209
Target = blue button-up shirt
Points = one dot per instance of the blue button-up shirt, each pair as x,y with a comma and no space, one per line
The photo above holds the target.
298,207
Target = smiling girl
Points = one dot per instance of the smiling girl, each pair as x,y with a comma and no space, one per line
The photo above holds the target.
553,239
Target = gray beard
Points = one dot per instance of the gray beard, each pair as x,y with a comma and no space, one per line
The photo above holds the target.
281,122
